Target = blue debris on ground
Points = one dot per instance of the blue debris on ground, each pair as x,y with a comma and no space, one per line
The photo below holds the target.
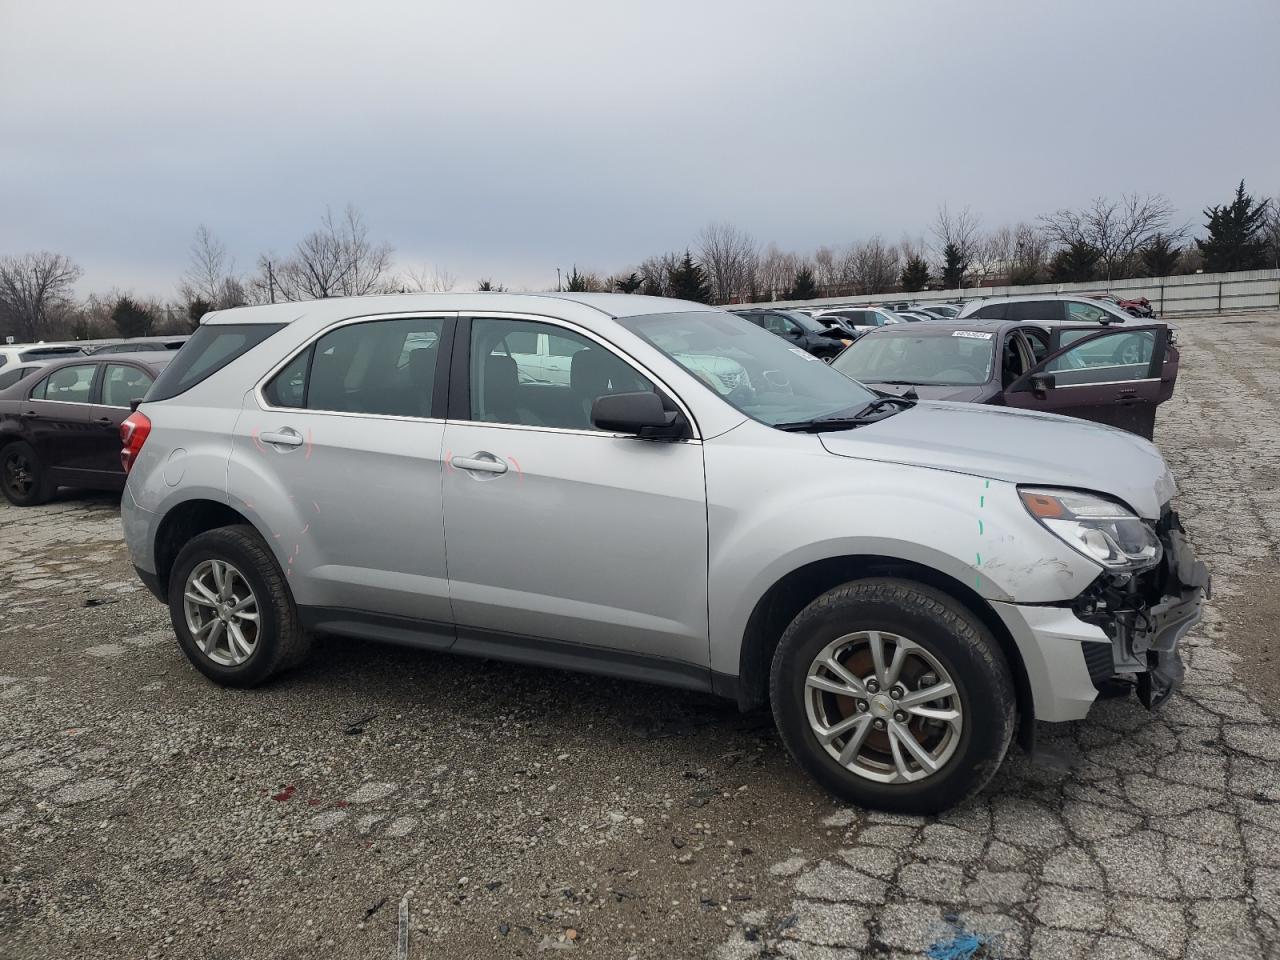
959,944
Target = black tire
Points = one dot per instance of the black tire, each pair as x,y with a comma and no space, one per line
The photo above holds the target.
23,476
281,642
961,644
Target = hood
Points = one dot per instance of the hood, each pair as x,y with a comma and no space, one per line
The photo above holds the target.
927,392
1017,446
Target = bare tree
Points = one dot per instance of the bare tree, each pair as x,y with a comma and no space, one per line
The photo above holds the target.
1030,254
958,230
655,274
729,257
1117,229
872,266
337,260
828,270
210,276
776,273
1271,230
427,278
35,290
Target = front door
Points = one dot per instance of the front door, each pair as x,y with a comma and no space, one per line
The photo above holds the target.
1112,377
56,420
565,541
338,463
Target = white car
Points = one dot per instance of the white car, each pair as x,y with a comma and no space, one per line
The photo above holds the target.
862,319
1046,307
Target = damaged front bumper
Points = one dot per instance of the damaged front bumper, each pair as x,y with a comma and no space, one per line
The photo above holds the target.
1075,652
1146,615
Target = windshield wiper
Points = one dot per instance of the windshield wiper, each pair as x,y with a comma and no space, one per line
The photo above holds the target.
863,416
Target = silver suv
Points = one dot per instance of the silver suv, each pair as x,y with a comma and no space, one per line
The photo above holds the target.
386,468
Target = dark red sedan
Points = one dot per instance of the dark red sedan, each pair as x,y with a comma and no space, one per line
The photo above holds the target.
61,425
1112,375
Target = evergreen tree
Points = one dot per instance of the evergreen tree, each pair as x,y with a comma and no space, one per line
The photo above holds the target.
488,286
689,281
803,286
628,284
954,266
131,319
1076,263
1236,239
1160,257
915,274
196,309
577,282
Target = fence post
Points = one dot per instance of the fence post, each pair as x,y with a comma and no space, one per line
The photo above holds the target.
1219,296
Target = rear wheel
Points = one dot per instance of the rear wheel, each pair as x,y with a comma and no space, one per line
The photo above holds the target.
893,695
232,610
23,476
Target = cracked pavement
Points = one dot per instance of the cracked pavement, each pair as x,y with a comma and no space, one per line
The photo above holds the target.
145,812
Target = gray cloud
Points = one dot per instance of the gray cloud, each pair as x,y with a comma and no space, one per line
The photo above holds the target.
505,138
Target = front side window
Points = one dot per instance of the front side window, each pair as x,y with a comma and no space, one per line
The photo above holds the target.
942,358
122,384
377,367
1118,356
509,384
67,384
754,371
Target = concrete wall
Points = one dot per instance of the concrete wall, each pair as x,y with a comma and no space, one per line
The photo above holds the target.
1170,296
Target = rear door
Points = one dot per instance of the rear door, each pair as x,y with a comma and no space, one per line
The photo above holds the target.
337,456
1112,377
120,383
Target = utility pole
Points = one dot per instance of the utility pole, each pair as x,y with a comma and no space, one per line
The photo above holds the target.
558,290
271,282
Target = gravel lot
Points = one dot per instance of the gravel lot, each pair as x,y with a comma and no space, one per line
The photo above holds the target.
510,811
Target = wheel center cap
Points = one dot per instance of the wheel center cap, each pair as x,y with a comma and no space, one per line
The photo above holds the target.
881,706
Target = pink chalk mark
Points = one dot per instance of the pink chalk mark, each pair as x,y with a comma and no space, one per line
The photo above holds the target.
316,505
517,465
305,529
308,456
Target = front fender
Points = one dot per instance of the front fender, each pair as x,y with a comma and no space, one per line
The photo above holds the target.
769,515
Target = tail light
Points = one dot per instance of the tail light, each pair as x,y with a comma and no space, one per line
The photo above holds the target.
133,434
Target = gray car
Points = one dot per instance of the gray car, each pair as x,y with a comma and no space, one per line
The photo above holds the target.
380,468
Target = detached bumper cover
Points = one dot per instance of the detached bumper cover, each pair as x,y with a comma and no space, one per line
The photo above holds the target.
1186,586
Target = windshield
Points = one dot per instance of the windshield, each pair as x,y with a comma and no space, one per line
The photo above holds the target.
807,323
959,358
756,372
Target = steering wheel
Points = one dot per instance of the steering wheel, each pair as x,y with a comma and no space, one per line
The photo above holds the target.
1129,352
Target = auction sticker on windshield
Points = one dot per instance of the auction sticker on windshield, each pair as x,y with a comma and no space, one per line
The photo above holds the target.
971,334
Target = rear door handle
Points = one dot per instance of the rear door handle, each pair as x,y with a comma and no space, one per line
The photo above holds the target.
285,437
480,462
104,420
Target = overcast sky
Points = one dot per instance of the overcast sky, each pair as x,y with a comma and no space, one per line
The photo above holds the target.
505,139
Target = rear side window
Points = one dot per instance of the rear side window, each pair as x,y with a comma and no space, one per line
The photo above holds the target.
1034,310
992,311
210,349
122,384
384,367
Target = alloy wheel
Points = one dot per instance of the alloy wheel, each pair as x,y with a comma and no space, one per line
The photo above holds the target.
883,707
222,612
17,474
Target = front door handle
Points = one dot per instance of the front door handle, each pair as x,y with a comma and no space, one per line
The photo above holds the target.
480,462
285,437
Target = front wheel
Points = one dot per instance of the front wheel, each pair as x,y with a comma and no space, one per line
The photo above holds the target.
893,695
232,610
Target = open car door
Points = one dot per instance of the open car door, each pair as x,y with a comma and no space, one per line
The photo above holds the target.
1112,376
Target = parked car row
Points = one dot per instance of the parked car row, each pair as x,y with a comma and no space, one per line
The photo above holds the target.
20,353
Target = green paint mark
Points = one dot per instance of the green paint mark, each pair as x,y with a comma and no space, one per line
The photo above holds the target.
982,501
979,559
979,528
988,486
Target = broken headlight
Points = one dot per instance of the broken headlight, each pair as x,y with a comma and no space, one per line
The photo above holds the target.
1099,528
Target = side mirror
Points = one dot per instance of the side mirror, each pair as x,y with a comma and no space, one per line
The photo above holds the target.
640,414
134,404
1041,383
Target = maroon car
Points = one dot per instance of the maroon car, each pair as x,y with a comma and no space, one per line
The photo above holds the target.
61,425
1112,375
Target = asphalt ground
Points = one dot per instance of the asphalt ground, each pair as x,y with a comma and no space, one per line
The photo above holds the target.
507,811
